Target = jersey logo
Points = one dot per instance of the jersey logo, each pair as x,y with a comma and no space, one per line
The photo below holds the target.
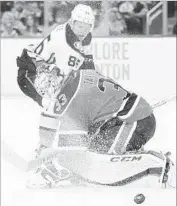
65,97
60,102
79,46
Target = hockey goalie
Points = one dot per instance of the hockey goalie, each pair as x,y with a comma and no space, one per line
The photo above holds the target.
91,128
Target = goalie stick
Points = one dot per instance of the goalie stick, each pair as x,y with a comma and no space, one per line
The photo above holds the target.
20,163
165,101
13,157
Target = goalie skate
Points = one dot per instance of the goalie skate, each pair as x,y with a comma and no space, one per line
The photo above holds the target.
169,178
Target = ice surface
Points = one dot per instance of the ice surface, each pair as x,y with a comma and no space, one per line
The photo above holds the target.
22,136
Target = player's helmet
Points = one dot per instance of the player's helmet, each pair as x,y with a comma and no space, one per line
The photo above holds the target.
84,14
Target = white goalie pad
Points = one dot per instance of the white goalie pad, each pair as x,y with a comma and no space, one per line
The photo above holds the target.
143,169
114,170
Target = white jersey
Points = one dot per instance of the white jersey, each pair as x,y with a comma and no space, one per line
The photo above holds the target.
64,49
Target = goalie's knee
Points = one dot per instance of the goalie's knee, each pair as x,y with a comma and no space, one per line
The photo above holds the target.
144,131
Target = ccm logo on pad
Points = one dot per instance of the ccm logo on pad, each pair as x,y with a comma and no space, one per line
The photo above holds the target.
126,159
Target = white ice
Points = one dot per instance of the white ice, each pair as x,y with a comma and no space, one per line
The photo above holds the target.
22,136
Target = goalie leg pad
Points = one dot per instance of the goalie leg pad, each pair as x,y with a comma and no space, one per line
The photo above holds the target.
115,170
48,130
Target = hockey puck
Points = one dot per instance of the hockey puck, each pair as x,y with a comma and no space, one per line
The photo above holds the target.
139,198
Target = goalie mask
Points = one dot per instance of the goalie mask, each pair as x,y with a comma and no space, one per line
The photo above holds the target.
48,80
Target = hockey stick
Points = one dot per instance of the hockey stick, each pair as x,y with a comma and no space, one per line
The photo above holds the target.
13,157
165,101
20,163
51,153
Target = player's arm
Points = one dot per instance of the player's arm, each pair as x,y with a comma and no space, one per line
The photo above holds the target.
45,48
28,63
26,74
38,79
